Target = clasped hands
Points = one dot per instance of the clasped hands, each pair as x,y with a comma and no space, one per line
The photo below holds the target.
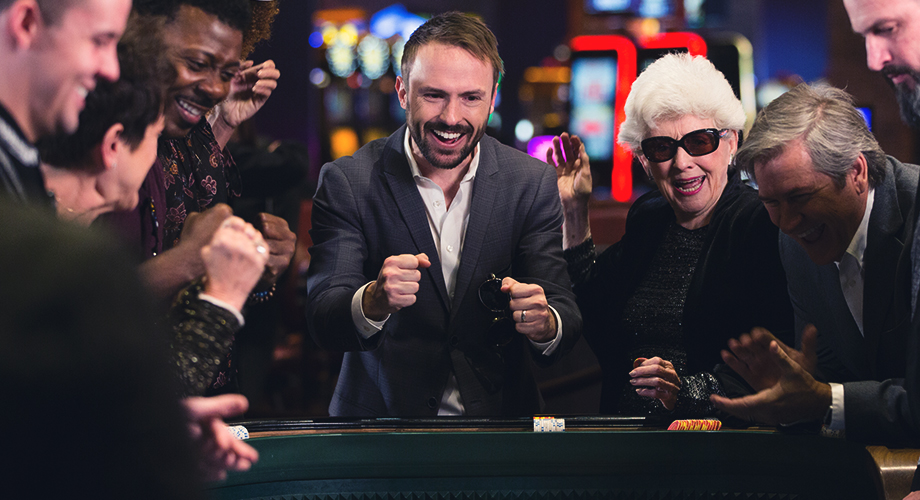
787,390
201,228
234,259
656,378
398,282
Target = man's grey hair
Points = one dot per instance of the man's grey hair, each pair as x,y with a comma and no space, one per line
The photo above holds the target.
832,130
674,86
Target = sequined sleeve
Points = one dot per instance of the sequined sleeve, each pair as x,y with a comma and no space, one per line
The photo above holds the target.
580,259
693,397
202,336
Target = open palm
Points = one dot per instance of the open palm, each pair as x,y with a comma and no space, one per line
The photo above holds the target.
573,169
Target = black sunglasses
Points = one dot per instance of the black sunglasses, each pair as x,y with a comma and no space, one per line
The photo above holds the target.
697,143
501,331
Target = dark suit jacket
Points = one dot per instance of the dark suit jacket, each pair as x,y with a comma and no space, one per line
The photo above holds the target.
367,208
844,355
738,284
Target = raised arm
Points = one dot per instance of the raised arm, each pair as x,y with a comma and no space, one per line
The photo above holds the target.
249,90
573,172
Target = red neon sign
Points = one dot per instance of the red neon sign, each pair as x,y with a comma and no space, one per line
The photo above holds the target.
694,43
621,175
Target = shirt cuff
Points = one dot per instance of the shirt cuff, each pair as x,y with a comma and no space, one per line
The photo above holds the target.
838,421
547,348
220,303
366,327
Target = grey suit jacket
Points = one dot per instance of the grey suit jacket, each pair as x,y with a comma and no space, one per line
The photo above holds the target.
367,208
845,356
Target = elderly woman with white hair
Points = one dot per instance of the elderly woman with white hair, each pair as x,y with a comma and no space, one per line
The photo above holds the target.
698,263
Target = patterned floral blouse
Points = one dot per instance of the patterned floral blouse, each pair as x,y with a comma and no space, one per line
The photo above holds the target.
198,176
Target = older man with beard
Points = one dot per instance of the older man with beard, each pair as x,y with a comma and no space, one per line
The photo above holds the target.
892,32
891,29
437,258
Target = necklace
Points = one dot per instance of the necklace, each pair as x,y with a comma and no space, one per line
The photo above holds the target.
57,203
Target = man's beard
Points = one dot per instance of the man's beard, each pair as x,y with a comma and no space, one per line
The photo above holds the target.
908,96
429,150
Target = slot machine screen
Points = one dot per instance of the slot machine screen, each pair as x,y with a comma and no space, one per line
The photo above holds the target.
593,90
643,8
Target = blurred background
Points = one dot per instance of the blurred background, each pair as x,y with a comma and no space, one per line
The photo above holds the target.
568,64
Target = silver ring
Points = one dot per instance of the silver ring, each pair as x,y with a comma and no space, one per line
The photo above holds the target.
523,317
261,249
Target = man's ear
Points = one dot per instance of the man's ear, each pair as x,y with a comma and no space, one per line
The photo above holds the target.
860,174
23,20
402,91
111,146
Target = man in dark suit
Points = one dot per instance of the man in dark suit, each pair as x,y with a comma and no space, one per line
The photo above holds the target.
844,210
891,29
408,232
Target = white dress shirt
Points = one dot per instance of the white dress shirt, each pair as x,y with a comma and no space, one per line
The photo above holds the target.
448,229
852,280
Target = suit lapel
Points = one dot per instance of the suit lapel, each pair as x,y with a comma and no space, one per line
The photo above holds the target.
846,339
412,208
883,249
485,188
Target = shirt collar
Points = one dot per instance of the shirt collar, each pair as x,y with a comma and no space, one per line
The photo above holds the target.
857,246
413,165
14,141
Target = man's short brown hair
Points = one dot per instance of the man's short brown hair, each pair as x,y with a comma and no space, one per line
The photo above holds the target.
457,30
52,10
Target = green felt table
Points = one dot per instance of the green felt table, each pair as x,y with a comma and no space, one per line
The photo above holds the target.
404,459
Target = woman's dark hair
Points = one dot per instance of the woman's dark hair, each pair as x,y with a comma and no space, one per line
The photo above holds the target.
135,100
234,13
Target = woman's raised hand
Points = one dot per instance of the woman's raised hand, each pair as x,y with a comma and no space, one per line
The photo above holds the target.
573,169
573,176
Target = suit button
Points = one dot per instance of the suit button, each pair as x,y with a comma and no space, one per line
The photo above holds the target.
432,402
454,341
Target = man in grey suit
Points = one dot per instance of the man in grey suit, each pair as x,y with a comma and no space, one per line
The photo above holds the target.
844,209
416,233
